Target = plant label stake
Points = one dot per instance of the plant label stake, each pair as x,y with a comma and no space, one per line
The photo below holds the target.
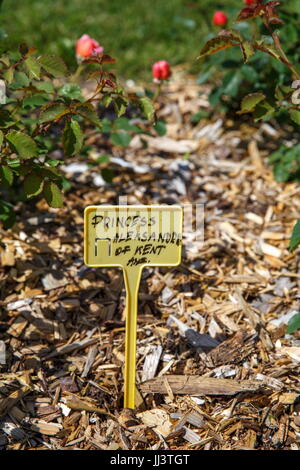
131,237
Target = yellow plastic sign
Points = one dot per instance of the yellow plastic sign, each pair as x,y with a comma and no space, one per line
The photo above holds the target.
131,237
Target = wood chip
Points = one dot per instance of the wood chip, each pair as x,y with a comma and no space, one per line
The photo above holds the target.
195,385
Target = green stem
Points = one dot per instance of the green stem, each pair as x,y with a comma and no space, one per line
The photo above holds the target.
157,92
281,52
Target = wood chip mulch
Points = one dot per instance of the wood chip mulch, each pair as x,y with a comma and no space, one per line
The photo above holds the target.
215,367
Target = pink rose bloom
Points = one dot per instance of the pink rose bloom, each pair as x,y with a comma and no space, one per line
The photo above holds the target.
161,70
86,47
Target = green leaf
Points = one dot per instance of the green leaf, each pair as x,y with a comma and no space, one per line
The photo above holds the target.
33,184
53,194
52,173
53,111
6,119
33,67
7,214
121,138
123,123
247,50
282,92
1,139
231,83
147,107
107,175
8,75
45,86
295,238
87,111
20,80
295,115
53,65
6,175
14,162
217,44
263,110
294,324
202,114
72,138
35,100
160,127
250,101
268,49
22,144
120,104
70,90
104,158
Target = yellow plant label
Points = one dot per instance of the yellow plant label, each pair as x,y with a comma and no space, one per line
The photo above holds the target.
132,237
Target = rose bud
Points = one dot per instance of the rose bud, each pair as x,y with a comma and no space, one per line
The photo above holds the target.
86,47
161,70
219,18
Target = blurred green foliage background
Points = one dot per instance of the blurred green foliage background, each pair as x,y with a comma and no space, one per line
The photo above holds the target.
135,32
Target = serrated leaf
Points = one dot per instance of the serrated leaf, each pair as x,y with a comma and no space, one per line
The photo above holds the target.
35,100
33,184
295,115
247,50
53,194
294,324
72,138
120,104
147,107
250,101
52,173
263,110
22,144
87,111
70,90
217,44
52,112
231,34
8,75
6,175
295,238
53,65
33,67
20,80
248,13
268,48
121,138
45,86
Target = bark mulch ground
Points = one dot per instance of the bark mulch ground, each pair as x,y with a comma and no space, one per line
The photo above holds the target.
215,367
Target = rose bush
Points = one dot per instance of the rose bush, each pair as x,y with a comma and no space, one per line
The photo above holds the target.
275,75
43,111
